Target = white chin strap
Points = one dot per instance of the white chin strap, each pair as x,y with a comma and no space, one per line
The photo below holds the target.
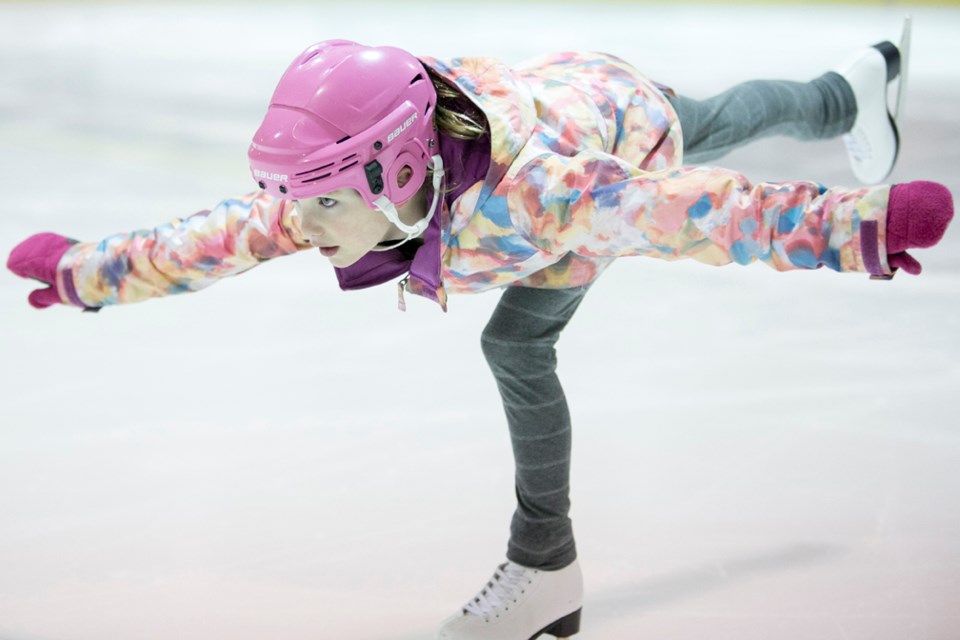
390,211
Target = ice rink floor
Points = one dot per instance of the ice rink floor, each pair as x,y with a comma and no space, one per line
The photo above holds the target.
272,458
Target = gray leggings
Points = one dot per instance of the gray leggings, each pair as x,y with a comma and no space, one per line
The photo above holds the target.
519,340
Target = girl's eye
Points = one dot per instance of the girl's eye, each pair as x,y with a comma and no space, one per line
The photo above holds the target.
326,202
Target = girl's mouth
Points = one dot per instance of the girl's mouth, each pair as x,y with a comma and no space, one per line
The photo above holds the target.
329,251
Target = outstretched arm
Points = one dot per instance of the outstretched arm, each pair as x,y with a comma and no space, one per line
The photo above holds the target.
183,255
594,204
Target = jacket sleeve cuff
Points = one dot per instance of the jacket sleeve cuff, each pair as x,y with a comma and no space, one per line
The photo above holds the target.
873,254
66,279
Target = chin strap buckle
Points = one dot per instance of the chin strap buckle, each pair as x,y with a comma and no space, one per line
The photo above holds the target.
388,209
401,303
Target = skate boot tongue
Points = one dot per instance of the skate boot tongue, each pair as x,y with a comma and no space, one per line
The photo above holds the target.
507,582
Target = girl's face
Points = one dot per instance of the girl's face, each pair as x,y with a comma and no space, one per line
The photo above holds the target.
342,226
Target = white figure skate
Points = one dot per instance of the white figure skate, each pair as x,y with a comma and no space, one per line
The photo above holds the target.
874,141
520,603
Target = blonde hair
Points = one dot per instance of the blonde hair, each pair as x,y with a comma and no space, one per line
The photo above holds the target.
456,117
455,114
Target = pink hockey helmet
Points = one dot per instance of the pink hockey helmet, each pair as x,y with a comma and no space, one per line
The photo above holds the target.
347,115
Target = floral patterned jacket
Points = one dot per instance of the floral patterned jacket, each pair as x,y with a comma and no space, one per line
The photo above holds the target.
585,167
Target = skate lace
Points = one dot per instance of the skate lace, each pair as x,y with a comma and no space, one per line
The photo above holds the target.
508,582
858,145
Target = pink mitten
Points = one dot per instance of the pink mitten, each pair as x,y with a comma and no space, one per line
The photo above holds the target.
37,257
917,217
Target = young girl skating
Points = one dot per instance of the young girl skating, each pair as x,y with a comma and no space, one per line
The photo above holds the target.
466,175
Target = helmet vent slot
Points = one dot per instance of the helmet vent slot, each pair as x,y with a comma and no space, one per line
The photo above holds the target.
352,155
326,175
347,166
303,173
419,78
344,139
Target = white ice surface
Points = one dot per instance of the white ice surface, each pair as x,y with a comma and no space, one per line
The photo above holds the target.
756,454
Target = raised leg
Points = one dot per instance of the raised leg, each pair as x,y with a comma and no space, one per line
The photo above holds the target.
822,108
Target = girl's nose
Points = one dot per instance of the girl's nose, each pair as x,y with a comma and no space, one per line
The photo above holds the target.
310,232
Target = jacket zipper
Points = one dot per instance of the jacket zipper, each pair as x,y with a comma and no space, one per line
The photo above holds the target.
401,303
